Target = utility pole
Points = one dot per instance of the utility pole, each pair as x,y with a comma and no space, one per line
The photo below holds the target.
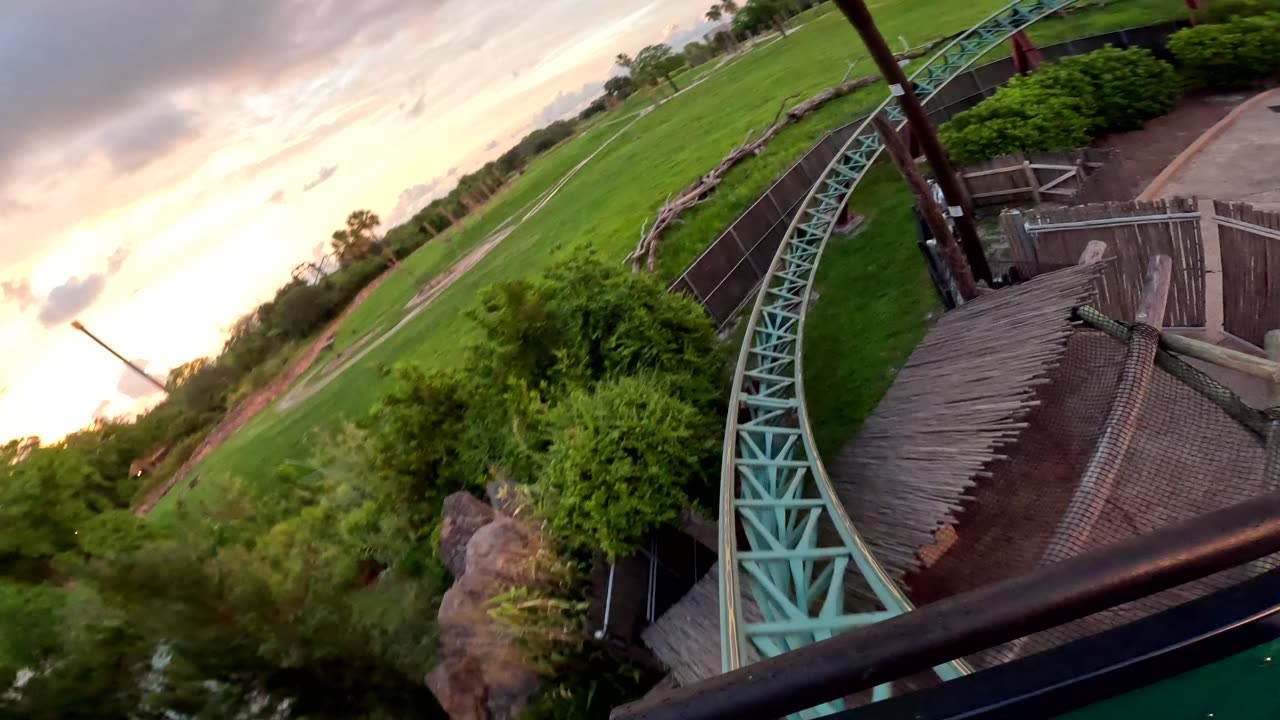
938,225
159,385
958,203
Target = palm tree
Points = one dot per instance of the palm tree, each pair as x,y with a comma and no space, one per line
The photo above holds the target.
729,7
623,60
715,14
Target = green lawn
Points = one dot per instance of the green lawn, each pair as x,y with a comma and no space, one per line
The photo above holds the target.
603,206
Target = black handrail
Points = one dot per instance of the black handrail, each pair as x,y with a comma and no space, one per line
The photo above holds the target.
977,620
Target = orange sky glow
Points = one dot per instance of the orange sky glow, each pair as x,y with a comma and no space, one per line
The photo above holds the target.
158,188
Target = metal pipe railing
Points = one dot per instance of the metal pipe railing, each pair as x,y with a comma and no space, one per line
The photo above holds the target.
970,622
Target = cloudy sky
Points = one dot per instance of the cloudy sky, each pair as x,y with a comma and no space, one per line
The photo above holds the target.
163,165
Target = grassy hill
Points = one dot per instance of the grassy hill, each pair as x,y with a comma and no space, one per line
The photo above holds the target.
872,278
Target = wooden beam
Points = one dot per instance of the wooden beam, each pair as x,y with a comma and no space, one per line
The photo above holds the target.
1155,292
1220,356
1093,253
1272,344
1031,180
955,259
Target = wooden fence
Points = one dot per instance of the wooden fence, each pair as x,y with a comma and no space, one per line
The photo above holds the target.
1034,177
727,273
1249,247
1226,258
1133,231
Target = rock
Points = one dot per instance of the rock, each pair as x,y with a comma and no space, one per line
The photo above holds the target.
482,674
504,496
458,687
463,516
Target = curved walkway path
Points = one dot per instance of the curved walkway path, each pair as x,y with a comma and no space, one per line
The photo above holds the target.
1237,159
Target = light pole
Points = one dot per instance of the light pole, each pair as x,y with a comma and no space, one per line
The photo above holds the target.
958,203
159,385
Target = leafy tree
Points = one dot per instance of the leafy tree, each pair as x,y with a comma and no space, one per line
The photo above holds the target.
656,62
622,460
756,15
44,501
587,321
695,53
620,87
623,60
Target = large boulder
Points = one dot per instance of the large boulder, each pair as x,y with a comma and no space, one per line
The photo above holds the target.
463,516
482,674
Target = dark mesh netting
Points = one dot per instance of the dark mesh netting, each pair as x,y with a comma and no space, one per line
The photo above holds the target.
1125,439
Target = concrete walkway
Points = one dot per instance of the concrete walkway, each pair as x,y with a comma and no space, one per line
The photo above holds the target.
1242,162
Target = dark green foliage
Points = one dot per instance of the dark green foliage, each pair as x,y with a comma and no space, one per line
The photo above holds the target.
655,63
587,321
300,308
1063,106
596,107
1237,53
415,434
1018,118
621,462
1220,11
44,500
620,87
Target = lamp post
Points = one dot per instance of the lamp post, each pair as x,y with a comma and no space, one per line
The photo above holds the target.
159,385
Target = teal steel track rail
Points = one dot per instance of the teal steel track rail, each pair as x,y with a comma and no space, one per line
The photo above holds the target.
800,544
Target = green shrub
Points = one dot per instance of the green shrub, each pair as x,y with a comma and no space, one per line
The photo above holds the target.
587,321
1063,106
1230,54
1220,11
1119,88
621,462
1018,118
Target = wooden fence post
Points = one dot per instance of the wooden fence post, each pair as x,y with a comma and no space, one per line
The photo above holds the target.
1032,182
1021,242
955,260
1272,342
1213,290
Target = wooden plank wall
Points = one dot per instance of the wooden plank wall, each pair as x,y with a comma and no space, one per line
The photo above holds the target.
1250,270
1129,246
1031,177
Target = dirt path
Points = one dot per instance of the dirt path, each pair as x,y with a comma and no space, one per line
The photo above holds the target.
1143,154
456,271
253,404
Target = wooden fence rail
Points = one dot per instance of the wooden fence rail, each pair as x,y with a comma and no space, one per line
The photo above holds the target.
1226,258
1134,232
1036,176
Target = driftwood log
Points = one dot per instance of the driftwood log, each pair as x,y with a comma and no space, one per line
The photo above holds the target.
646,253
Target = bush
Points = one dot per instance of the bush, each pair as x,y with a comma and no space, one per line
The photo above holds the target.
621,462
1120,88
1018,118
587,321
1231,54
1063,106
1220,11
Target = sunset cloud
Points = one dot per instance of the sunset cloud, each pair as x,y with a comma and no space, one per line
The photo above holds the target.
155,162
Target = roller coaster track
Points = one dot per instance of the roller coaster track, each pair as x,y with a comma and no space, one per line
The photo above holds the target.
801,547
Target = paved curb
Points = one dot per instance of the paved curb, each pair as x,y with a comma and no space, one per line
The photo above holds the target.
1157,185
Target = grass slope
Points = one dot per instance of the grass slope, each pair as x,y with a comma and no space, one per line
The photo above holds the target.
604,204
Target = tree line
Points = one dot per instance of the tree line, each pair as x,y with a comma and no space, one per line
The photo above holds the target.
314,593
